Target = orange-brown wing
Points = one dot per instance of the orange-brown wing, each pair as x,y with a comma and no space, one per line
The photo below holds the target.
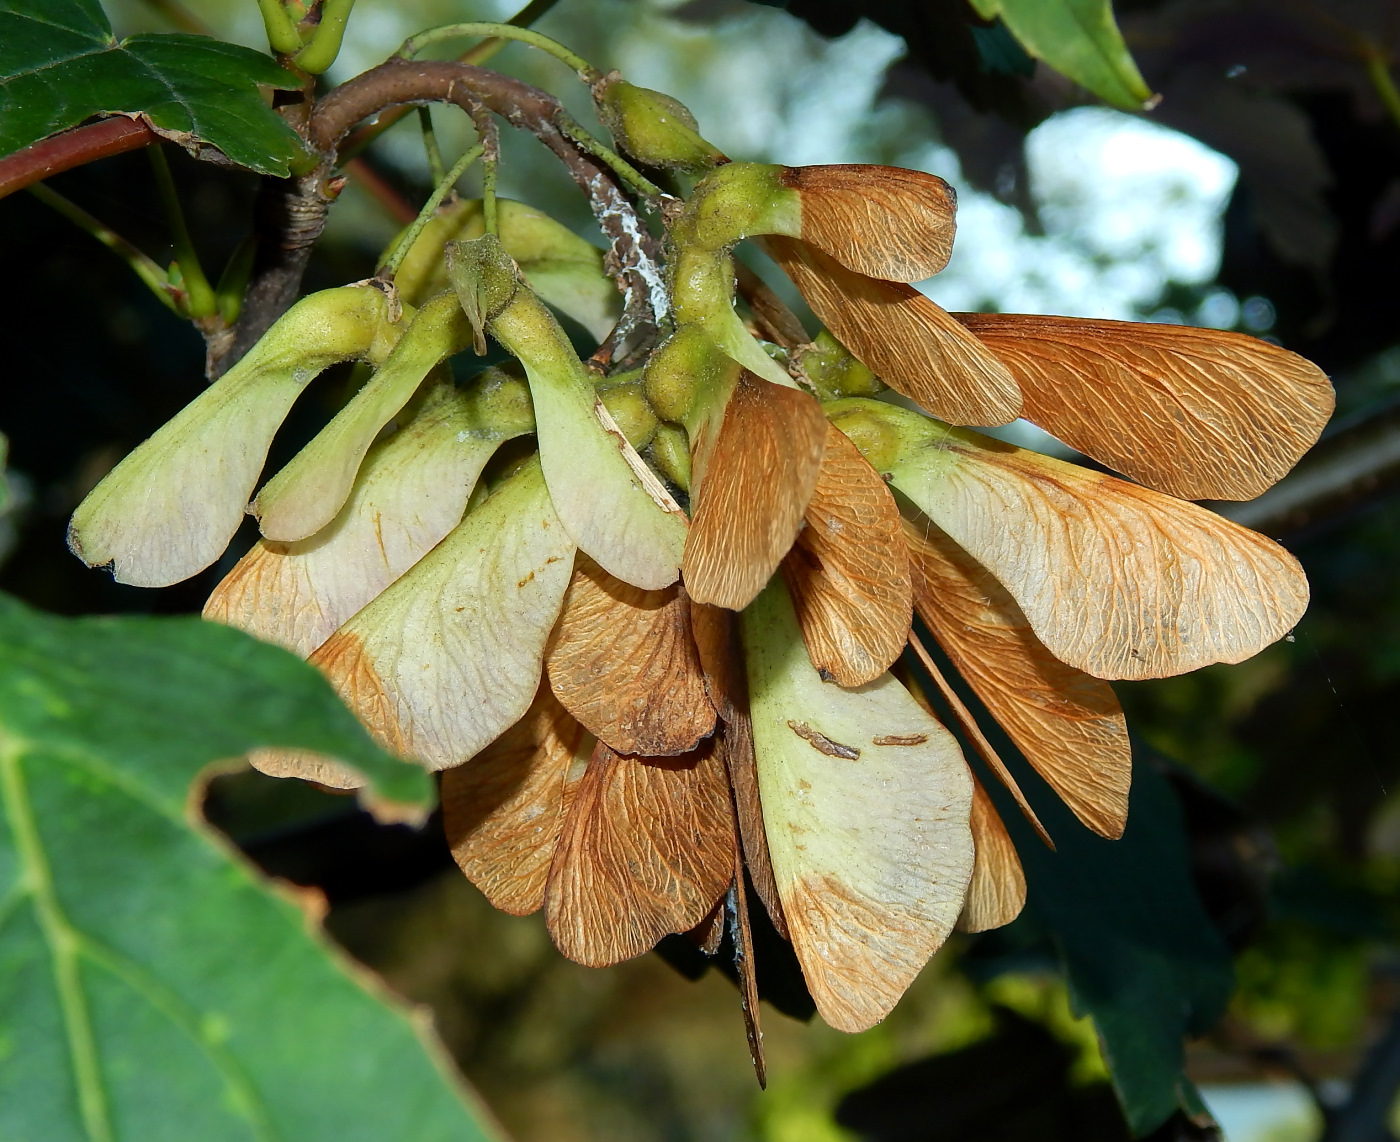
646,850
1198,413
623,662
849,570
1068,725
914,346
502,811
752,486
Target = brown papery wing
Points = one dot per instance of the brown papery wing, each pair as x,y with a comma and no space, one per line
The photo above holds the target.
1198,413
503,810
1067,724
914,346
997,891
623,662
646,850
717,639
884,222
755,481
848,573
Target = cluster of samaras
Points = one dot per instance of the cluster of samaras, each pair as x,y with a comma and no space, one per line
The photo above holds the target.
633,702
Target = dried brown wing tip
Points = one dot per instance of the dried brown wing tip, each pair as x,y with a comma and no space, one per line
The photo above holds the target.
646,849
758,478
722,658
884,222
914,346
1067,724
342,659
1196,413
306,765
503,810
849,570
997,891
623,662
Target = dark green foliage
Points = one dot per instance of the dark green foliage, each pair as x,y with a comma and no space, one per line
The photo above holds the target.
60,65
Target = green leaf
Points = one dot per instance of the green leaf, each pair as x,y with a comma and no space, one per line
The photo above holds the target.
1078,38
1142,957
152,986
60,64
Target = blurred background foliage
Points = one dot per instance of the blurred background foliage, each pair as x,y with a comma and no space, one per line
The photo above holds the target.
1262,194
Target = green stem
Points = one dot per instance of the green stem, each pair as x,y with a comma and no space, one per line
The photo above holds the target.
320,53
63,945
415,44
620,166
527,15
144,267
488,195
199,293
282,34
404,244
1378,70
436,171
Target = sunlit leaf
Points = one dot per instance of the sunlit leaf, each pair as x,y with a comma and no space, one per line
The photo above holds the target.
646,850
750,489
914,346
503,810
623,662
866,800
1078,38
1195,412
1067,724
448,657
155,987
170,508
849,572
60,64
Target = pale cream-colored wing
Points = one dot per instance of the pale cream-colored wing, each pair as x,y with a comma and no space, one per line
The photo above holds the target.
866,800
450,655
410,492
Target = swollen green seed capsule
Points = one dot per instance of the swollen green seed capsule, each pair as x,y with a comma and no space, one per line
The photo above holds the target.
653,127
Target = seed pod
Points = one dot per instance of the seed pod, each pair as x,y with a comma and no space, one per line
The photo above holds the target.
653,128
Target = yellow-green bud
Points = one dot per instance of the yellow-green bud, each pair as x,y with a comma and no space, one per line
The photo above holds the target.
653,128
834,372
670,452
686,366
628,407
485,279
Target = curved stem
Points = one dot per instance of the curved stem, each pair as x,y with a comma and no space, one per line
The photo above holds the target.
198,291
143,266
415,44
459,168
620,166
436,171
320,53
282,34
1378,71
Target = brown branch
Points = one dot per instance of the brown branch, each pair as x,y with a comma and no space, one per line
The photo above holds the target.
293,212
48,157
